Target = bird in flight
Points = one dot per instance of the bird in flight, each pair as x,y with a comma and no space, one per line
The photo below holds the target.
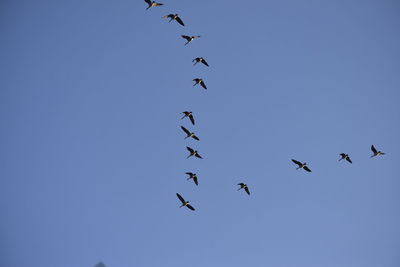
184,202
199,81
345,156
172,17
189,38
152,3
200,59
376,152
245,187
192,176
189,134
188,114
193,153
301,165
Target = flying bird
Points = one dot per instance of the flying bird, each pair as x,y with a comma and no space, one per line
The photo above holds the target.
172,17
245,187
345,156
193,153
189,38
301,165
184,202
376,152
189,134
192,176
188,114
152,3
199,81
200,59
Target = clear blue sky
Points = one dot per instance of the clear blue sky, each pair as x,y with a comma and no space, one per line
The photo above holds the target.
92,152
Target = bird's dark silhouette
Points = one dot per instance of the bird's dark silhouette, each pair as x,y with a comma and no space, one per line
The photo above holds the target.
184,202
193,176
200,59
175,17
188,114
152,3
345,156
189,134
189,38
193,153
376,152
301,165
199,81
245,187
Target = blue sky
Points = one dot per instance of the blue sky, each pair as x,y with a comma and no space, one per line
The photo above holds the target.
93,154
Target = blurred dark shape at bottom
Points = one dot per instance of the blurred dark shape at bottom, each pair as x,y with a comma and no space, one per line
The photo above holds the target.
100,264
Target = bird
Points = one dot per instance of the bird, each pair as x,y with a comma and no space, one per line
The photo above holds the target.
192,176
376,152
200,59
152,3
193,153
301,165
189,134
345,156
245,187
184,202
189,38
174,17
199,81
188,114
100,264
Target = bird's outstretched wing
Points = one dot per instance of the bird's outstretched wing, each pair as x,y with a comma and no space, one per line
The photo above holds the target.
247,190
195,137
306,168
195,180
148,2
181,198
297,162
204,62
190,207
241,184
188,38
349,160
374,149
203,85
185,130
190,149
158,4
191,119
178,19
197,155
190,174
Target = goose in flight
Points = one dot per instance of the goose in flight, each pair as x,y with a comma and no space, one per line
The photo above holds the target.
188,114
192,176
200,59
199,81
376,152
184,202
189,38
176,17
152,3
301,165
345,156
193,153
189,134
245,187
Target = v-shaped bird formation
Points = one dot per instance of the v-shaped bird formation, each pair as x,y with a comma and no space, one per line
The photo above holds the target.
189,115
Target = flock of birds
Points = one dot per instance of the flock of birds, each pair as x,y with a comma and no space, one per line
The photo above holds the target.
189,115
